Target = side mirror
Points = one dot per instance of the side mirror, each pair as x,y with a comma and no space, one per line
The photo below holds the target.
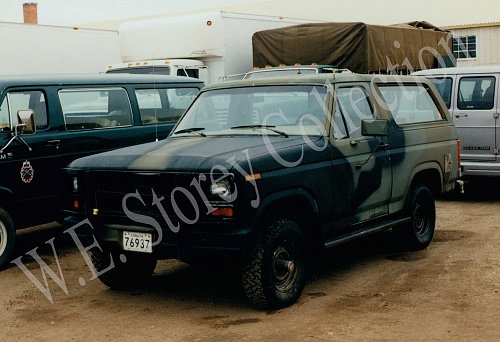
377,127
26,119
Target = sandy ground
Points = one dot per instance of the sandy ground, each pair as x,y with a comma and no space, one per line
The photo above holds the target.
367,290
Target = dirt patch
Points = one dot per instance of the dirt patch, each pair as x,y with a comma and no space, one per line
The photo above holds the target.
363,291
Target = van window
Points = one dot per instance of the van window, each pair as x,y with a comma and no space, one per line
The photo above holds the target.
95,108
476,92
410,104
163,105
18,100
443,85
354,106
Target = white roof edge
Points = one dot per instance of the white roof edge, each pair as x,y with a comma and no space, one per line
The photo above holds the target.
460,70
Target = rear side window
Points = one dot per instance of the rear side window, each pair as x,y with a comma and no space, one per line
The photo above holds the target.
476,93
410,103
444,86
95,108
163,105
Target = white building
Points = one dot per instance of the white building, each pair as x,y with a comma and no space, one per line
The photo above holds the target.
476,44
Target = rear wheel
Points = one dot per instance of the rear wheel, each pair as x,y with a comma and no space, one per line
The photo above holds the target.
7,237
275,273
418,233
131,270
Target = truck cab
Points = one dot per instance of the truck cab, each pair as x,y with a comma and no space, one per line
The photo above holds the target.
175,67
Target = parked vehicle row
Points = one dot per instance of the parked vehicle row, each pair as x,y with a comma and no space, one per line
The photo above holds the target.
48,121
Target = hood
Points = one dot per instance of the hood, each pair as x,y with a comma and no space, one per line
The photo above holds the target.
188,153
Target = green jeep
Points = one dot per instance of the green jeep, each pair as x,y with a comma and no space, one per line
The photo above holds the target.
265,172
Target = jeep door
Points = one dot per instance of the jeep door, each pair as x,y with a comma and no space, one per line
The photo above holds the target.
361,165
476,116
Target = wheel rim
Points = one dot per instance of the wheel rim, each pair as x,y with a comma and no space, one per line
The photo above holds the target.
3,237
421,219
285,266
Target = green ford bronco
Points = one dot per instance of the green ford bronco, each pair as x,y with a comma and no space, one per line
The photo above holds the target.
265,172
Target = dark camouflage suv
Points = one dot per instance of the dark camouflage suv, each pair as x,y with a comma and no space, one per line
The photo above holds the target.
266,172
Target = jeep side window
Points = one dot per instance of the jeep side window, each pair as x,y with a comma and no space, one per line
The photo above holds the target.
410,103
354,106
444,86
95,108
163,105
476,93
18,100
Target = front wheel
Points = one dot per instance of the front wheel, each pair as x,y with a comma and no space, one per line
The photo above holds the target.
275,272
417,234
130,270
7,237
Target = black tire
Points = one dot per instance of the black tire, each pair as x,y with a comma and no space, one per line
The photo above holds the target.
131,270
7,238
275,273
421,208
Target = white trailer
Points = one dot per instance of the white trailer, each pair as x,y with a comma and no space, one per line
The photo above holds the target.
41,49
209,46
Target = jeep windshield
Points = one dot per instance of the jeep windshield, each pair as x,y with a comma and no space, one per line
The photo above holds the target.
288,110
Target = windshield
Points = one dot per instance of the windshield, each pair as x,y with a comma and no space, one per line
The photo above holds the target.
289,110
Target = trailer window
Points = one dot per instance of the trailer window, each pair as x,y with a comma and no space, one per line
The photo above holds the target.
95,108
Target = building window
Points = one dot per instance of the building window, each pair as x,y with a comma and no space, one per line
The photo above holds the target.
464,47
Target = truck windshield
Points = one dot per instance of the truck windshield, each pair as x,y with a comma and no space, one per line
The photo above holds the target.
291,110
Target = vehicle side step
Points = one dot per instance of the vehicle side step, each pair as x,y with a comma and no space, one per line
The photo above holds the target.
369,230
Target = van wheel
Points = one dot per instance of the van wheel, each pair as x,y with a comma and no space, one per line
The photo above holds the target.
418,233
131,270
7,237
275,273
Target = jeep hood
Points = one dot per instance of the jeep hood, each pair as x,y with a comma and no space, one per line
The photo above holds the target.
194,153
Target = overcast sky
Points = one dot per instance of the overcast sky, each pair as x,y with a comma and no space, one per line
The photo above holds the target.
75,12
386,12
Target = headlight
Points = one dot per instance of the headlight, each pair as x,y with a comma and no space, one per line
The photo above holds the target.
75,184
222,189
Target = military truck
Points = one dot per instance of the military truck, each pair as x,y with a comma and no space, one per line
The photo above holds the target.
265,172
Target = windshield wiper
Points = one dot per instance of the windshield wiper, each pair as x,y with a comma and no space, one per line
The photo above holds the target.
191,130
271,128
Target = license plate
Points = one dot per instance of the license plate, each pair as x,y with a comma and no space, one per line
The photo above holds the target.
138,242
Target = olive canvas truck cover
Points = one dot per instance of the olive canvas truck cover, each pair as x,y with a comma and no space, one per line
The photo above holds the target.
359,47
265,173
48,121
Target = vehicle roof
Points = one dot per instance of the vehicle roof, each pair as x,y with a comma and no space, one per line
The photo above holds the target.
460,70
305,66
317,79
98,79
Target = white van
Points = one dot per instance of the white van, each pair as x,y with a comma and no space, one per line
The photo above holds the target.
471,95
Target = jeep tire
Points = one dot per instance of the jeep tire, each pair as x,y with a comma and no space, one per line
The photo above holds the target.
275,272
131,270
421,208
7,237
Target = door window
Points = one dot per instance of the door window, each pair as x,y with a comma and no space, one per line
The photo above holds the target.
19,100
354,105
476,93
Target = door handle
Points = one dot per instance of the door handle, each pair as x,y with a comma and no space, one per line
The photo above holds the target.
53,143
460,114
